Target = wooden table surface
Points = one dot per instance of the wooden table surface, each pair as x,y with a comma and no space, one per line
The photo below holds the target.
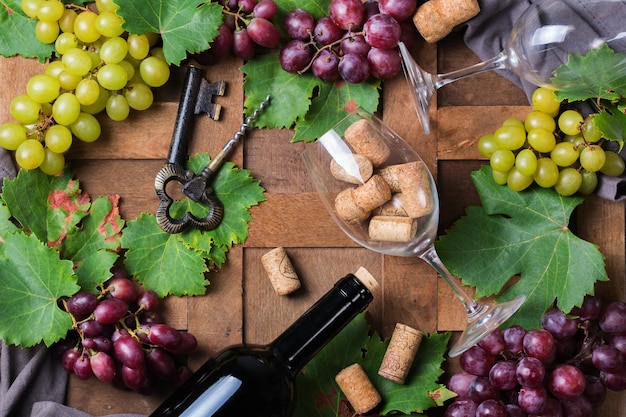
240,304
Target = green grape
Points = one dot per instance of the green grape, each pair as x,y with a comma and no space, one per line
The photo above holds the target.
47,32
512,121
106,6
502,160
499,177
614,165
109,24
570,122
24,109
157,52
138,46
541,140
526,162
139,96
66,22
113,77
43,88
130,69
46,109
510,137
68,80
50,11
30,154
547,173
65,41
95,59
537,118
154,71
117,107
113,50
589,183
77,61
543,99
87,91
86,127
12,135
31,7
53,163
592,158
518,181
58,138
100,103
487,145
564,154
577,140
85,27
66,109
569,182
154,38
590,131
54,68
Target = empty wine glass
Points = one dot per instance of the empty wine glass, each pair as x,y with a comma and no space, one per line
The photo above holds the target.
382,195
542,39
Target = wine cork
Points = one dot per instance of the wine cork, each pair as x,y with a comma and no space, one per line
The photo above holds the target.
352,163
366,140
400,353
358,388
412,181
435,19
392,207
347,209
367,279
280,271
392,228
372,194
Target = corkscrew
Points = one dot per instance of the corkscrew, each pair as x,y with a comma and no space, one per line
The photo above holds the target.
196,98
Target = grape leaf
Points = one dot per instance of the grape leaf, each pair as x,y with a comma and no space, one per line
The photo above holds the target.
184,25
316,383
17,33
591,76
33,279
175,264
522,233
302,101
612,124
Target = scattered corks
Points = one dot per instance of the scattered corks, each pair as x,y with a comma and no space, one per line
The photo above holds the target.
400,353
358,389
280,271
435,19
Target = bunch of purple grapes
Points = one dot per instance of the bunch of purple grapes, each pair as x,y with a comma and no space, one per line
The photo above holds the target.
560,370
246,30
120,338
355,41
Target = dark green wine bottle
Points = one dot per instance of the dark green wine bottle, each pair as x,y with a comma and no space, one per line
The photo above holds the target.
259,380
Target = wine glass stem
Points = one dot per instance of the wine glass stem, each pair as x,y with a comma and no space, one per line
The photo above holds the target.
472,307
497,62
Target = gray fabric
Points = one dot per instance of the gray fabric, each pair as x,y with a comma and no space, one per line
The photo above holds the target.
486,36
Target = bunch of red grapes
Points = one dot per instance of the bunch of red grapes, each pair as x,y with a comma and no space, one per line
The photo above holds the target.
560,370
119,338
355,41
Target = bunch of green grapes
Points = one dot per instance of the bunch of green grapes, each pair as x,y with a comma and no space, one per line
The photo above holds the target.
97,67
551,148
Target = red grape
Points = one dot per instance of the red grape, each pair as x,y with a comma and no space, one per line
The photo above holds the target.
295,56
82,367
148,300
532,400
164,336
556,323
246,6
607,358
493,342
566,382
103,367
590,309
477,361
299,24
263,32
613,319
460,382
129,352
187,344
243,45
461,408
347,14
399,9
502,375
514,339
491,408
134,378
69,359
382,31
326,65
355,44
122,288
481,389
265,9
384,63
354,68
110,311
90,328
160,363
530,372
81,304
326,31
539,343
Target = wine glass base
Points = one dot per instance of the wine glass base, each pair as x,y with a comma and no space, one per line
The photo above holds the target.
421,85
485,322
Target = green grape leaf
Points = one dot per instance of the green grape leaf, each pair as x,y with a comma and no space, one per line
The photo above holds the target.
591,76
17,33
184,25
522,233
316,382
94,247
302,101
161,261
33,280
175,264
612,124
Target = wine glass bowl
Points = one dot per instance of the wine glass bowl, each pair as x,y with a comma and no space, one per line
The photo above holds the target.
381,194
543,38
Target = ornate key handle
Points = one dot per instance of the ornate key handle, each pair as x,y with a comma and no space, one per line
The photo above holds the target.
195,98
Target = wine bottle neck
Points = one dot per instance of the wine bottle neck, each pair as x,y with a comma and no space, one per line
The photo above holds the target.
315,328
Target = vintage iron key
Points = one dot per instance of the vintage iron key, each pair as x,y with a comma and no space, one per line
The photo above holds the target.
195,98
196,187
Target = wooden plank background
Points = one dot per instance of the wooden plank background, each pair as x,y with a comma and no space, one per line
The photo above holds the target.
240,304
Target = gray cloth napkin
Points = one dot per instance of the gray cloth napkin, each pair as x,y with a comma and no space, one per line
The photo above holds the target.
32,381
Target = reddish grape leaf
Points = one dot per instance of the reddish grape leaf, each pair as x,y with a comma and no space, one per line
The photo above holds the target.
522,233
